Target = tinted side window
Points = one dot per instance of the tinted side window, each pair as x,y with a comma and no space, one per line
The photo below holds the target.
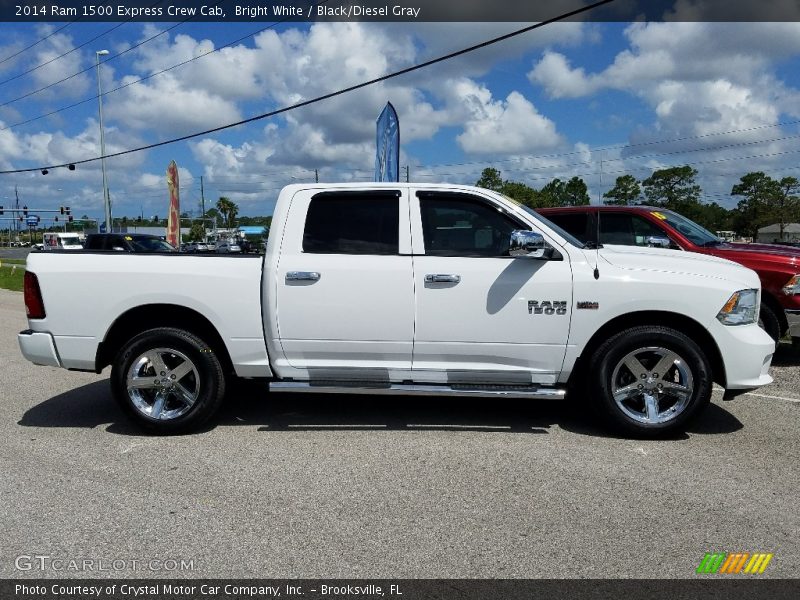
643,229
463,226
627,230
616,228
352,224
574,223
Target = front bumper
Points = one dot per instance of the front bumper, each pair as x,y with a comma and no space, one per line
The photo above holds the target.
38,348
793,317
746,353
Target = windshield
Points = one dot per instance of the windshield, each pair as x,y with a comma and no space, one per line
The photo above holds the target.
690,229
70,242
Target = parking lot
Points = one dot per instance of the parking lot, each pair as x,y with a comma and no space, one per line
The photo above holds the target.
307,486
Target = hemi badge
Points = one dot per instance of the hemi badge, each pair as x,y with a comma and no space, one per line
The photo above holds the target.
588,305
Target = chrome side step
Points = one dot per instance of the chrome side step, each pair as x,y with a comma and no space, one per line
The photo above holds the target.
411,389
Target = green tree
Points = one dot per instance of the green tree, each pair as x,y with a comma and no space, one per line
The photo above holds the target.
564,193
553,193
756,208
674,188
521,193
197,232
576,193
787,204
228,209
490,180
626,191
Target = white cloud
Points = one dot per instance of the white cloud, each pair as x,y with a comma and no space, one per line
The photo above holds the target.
170,106
502,128
555,73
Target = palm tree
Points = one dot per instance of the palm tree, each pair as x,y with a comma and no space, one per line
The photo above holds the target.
228,210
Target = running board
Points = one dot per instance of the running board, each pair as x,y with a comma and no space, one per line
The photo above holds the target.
401,389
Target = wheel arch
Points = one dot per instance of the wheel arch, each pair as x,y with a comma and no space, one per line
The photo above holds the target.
770,300
150,316
679,322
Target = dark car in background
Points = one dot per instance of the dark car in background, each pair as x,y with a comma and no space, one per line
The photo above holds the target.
127,242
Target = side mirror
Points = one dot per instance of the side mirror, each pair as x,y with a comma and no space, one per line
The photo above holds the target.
529,244
653,241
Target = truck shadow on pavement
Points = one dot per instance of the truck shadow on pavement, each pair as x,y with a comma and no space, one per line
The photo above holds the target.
250,404
786,355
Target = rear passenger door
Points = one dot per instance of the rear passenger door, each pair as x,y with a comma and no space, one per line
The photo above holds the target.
345,301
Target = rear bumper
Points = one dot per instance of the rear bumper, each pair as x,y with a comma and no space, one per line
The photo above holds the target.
793,317
39,348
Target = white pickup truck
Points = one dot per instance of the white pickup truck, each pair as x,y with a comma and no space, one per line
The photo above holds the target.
404,289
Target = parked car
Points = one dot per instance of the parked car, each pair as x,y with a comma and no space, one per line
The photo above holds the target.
127,242
60,241
778,267
387,288
228,247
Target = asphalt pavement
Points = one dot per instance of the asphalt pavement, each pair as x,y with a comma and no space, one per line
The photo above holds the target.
287,486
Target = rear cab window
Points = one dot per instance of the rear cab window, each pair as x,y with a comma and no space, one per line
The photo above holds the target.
352,223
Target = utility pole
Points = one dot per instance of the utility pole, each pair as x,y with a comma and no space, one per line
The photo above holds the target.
316,176
203,209
600,191
16,223
407,176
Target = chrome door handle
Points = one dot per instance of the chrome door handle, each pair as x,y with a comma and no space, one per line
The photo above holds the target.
442,278
302,276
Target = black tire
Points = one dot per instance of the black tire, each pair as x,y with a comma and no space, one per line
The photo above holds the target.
769,321
189,398
680,392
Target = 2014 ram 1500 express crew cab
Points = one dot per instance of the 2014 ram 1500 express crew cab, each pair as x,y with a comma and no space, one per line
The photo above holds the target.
409,289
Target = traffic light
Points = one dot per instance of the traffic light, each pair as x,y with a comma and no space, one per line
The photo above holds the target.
62,210
1,210
56,219
69,219
25,211
20,219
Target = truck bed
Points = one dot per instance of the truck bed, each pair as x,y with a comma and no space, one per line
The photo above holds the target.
87,292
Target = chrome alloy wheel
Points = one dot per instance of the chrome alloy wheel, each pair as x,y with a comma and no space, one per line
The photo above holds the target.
163,384
652,385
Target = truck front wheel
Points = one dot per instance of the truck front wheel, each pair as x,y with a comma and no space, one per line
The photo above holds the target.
168,380
651,380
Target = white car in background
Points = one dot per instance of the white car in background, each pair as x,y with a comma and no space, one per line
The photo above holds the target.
229,248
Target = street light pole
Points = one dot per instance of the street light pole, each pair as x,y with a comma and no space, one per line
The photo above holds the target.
106,198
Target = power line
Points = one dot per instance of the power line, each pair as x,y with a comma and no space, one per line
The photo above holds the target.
144,78
31,70
37,42
618,146
331,94
89,68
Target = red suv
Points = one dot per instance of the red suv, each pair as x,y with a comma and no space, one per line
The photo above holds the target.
778,267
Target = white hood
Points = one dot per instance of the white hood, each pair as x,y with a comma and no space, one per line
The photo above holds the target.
636,258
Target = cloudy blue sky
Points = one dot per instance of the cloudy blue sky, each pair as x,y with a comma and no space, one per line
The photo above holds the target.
596,100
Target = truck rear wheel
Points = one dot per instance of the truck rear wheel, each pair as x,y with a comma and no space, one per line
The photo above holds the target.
651,380
168,380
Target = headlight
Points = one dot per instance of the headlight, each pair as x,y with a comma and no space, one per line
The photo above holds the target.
792,286
740,309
